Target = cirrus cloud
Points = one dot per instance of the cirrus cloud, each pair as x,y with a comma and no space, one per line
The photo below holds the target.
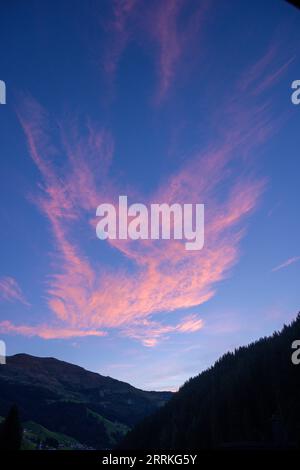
11,291
88,296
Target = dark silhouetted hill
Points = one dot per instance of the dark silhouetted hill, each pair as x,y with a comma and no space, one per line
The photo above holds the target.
250,398
66,399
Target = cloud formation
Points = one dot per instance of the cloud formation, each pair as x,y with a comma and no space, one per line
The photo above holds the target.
171,26
11,291
46,332
85,295
286,263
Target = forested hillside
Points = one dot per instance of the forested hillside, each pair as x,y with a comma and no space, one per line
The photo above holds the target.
249,398
53,396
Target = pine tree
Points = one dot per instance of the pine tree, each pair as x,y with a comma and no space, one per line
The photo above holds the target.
11,431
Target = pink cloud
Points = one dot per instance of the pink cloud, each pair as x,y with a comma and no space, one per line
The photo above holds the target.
173,27
159,22
266,71
11,291
191,324
87,295
84,293
286,263
259,68
172,38
46,332
119,34
273,77
150,332
170,42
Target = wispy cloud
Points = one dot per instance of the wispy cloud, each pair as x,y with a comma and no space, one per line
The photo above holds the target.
149,332
160,23
286,263
119,34
84,293
172,28
266,72
165,277
174,37
47,332
11,291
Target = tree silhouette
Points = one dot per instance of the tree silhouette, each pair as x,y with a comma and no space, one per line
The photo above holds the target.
249,398
11,431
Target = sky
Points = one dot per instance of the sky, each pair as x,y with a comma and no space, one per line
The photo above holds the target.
178,101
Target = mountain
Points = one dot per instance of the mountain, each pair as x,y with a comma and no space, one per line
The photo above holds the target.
248,399
84,407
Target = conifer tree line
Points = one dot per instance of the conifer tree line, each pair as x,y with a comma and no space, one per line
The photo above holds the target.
11,431
249,398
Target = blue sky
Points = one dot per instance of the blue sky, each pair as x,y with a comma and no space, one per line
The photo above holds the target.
177,101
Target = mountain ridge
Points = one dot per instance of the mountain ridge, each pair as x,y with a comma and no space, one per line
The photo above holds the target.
70,365
248,399
66,398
